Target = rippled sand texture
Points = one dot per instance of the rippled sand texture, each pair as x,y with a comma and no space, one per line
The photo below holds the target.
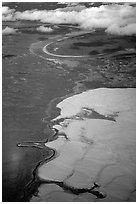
97,150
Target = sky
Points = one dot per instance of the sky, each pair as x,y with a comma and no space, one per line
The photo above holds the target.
114,18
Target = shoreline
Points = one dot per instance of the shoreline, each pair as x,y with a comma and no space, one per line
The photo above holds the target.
80,190
48,118
94,190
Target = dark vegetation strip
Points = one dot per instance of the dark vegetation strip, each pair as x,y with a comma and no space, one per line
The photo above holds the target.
7,56
96,43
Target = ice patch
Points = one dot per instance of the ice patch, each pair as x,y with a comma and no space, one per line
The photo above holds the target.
97,150
104,101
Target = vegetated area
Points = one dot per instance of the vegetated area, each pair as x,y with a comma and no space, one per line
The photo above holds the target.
111,61
94,43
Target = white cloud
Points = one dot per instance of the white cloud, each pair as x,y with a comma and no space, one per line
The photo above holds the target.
91,3
44,29
115,18
7,13
72,8
6,10
9,31
69,3
126,30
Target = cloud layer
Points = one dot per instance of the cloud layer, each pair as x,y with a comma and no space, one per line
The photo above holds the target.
9,31
118,19
44,29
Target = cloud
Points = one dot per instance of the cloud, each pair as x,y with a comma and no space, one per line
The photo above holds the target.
72,8
69,3
126,30
114,18
91,3
7,13
44,29
6,10
9,31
